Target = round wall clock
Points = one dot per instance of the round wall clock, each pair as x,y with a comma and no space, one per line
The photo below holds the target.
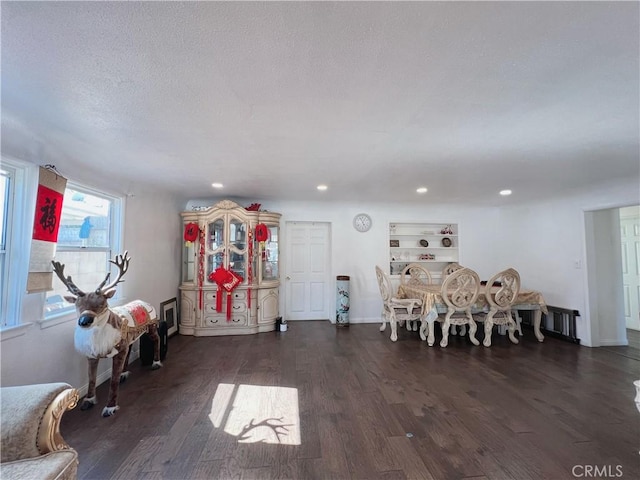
362,222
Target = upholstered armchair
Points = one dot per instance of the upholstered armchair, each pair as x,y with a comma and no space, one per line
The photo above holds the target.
32,446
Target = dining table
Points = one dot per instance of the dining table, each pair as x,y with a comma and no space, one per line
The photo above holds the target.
433,304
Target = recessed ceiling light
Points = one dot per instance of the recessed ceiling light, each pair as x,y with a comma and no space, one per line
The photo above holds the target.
504,193
216,185
322,188
422,190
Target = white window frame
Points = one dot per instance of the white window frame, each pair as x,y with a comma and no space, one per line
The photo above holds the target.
116,222
19,215
5,234
19,229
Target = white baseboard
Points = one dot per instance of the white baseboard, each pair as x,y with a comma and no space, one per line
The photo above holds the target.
614,343
362,320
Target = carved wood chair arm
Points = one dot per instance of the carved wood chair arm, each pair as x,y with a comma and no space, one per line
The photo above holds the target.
30,419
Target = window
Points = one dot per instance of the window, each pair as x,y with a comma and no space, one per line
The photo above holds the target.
84,247
7,179
88,238
14,176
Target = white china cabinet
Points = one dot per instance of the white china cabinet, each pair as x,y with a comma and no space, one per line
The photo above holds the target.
223,239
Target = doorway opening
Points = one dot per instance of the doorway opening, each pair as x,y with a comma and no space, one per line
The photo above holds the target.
630,242
612,241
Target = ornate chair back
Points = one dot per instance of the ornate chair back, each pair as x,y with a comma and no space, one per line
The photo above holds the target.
394,309
507,293
384,284
460,291
449,269
415,274
501,303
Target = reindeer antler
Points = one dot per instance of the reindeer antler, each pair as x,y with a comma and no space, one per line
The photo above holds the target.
122,262
59,269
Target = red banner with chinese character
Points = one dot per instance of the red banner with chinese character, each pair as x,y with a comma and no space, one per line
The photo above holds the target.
46,223
48,212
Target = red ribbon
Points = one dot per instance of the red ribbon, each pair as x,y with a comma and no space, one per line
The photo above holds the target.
232,282
228,280
201,268
219,276
250,270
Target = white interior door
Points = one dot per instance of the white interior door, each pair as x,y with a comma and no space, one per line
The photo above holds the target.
630,237
308,270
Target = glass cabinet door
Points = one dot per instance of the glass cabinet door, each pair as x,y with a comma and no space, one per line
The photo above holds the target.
214,261
270,255
238,247
215,246
215,239
188,262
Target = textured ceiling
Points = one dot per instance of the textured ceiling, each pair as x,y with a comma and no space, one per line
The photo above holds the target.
373,99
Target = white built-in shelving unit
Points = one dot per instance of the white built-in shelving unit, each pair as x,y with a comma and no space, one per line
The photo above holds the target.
434,245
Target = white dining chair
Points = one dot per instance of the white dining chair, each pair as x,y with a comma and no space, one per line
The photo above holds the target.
446,271
460,291
414,274
396,310
501,303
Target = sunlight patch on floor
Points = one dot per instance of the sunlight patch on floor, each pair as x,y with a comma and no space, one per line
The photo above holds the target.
256,413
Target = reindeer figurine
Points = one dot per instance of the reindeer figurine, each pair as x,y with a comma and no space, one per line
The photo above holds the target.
104,332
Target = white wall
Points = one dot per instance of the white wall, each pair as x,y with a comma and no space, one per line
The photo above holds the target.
606,299
549,240
356,254
633,211
45,351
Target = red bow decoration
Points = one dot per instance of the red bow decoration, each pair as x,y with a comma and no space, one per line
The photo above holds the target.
191,231
227,280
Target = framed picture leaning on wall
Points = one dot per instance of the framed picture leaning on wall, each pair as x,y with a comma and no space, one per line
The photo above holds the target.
169,314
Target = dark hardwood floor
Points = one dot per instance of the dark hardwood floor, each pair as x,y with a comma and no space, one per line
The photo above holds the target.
320,402
632,350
